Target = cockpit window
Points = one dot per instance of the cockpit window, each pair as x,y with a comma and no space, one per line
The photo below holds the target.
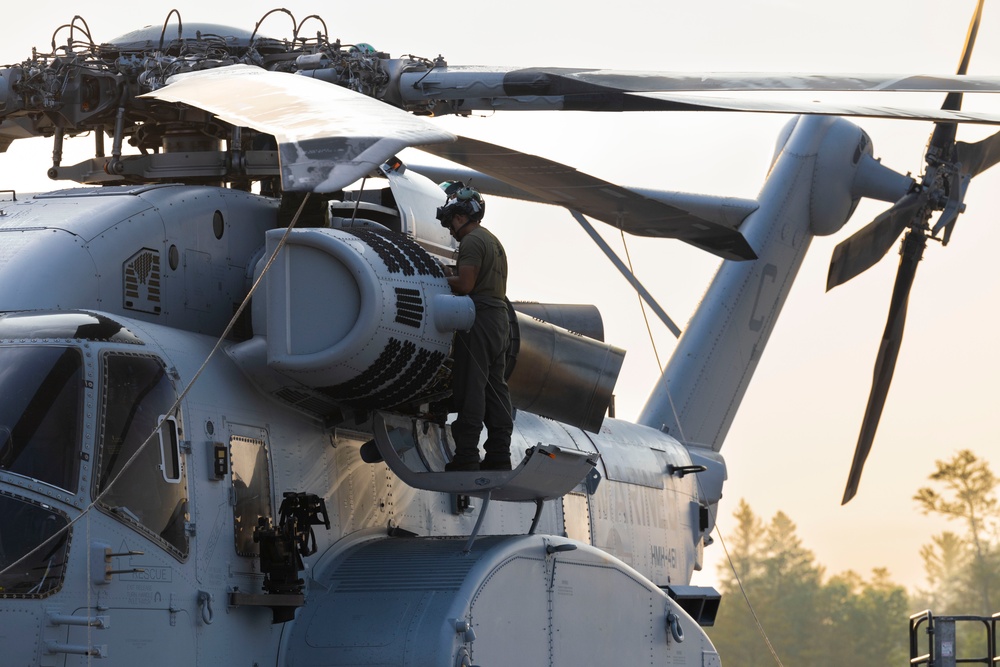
32,548
141,475
41,391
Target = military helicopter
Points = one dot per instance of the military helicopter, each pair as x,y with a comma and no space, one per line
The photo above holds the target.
217,436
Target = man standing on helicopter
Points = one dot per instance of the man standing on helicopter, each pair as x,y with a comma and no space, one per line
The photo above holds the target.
479,389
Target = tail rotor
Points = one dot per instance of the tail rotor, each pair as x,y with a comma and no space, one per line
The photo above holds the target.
950,166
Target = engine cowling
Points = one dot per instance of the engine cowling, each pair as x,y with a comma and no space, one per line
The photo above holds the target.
563,375
364,318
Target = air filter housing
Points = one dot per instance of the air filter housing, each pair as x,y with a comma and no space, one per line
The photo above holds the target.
365,316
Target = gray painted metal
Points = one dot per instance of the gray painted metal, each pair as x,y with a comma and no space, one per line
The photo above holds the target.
330,318
726,211
425,601
303,455
563,375
583,319
90,233
707,376
332,306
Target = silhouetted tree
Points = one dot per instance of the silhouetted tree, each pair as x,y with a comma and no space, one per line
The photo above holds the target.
946,561
845,620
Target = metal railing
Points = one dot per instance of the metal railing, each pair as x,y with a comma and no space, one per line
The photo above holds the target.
942,640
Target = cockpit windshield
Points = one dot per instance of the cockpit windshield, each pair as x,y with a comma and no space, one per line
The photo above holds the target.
33,543
41,392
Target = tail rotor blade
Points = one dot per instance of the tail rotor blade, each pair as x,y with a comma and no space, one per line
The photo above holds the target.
885,364
970,39
944,133
863,249
980,156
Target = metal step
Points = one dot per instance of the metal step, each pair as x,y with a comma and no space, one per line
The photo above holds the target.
545,473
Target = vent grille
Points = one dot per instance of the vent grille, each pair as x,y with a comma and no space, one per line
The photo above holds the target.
401,371
141,280
394,358
399,253
409,307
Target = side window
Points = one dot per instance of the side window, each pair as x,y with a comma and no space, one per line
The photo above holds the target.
170,450
251,490
141,476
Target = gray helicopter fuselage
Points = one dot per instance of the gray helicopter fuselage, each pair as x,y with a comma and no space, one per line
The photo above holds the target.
126,279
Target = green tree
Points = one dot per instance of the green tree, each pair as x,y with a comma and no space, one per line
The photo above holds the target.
885,609
735,632
746,548
807,621
791,585
967,494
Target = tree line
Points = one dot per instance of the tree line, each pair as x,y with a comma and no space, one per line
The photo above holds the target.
803,617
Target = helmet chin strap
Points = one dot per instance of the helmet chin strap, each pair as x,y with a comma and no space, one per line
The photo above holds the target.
455,232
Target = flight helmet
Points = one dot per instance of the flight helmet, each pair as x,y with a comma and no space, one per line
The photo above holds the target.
460,199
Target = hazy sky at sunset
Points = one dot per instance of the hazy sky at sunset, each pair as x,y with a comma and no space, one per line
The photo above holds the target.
791,445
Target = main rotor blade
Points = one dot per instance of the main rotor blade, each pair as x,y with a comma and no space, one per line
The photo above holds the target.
980,156
885,363
683,102
328,136
460,82
863,249
617,206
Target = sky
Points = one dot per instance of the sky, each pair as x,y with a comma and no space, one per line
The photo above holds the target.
791,444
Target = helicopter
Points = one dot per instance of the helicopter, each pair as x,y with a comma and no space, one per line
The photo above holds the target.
292,495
